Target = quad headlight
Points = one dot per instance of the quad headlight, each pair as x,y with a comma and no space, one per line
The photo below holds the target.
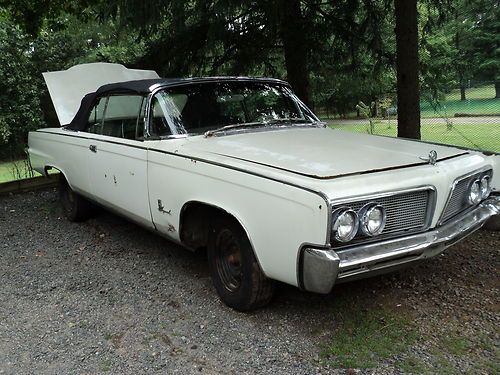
369,221
372,219
345,224
485,186
475,192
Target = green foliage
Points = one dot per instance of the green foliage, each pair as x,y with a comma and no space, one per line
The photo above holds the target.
20,109
459,45
484,32
24,101
346,48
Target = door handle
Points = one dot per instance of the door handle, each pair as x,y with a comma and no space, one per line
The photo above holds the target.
93,148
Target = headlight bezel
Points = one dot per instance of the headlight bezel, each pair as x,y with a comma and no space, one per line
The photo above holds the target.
485,193
364,214
474,197
336,215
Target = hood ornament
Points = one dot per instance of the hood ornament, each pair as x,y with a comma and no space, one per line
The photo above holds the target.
432,158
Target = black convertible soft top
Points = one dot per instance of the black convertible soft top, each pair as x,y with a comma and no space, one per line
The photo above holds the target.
146,86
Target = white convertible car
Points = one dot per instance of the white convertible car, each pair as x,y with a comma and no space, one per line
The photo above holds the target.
241,167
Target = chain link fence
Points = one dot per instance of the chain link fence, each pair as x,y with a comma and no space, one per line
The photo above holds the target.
467,116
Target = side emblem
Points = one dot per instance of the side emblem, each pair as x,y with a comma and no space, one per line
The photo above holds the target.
432,159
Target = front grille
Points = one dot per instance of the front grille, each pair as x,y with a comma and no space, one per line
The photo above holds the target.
458,201
408,211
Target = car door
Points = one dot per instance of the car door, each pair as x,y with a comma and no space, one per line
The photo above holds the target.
118,157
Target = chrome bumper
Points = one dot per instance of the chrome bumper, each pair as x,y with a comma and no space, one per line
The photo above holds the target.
321,268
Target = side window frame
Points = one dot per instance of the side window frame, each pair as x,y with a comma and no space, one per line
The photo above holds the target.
148,134
137,119
147,115
101,121
142,117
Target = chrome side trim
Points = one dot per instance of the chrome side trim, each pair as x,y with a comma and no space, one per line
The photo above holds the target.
357,198
375,258
454,185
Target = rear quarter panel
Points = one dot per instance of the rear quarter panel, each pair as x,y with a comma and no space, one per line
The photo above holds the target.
57,149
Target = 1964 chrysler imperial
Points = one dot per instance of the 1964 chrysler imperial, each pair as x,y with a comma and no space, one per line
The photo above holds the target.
242,167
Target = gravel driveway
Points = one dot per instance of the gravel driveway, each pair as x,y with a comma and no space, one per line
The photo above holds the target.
106,296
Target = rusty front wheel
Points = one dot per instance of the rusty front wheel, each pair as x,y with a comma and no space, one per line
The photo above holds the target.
236,274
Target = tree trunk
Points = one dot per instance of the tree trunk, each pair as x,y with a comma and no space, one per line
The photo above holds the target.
407,69
497,89
462,93
295,47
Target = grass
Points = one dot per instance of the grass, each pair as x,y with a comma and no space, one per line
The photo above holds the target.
449,346
483,92
106,365
367,337
10,171
480,101
480,136
15,170
471,106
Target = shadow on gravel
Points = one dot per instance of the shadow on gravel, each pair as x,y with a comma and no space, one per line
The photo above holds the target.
195,265
108,296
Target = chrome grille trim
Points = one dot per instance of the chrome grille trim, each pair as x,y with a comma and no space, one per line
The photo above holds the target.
457,199
408,211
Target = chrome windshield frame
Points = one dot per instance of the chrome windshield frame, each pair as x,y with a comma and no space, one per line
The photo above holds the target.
305,111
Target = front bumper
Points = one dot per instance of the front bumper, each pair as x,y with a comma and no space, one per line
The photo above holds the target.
321,268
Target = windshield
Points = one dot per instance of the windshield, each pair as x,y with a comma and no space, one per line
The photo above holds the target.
198,108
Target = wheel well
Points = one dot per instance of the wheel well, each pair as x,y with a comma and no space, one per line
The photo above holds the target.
47,168
195,222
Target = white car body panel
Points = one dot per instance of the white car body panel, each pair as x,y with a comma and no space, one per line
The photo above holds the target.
320,152
119,177
58,148
67,88
279,217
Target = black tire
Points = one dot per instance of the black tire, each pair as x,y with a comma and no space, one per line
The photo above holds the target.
236,274
75,207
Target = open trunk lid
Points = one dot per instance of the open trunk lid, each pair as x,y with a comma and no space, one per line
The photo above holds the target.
68,87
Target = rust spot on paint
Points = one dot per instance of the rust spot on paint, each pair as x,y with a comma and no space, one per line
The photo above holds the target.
161,208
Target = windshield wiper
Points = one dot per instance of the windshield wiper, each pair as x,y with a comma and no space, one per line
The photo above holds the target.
209,133
297,121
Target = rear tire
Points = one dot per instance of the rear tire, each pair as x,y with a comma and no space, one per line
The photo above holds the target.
76,208
236,274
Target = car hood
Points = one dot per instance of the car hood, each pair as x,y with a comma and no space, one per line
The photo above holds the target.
319,152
